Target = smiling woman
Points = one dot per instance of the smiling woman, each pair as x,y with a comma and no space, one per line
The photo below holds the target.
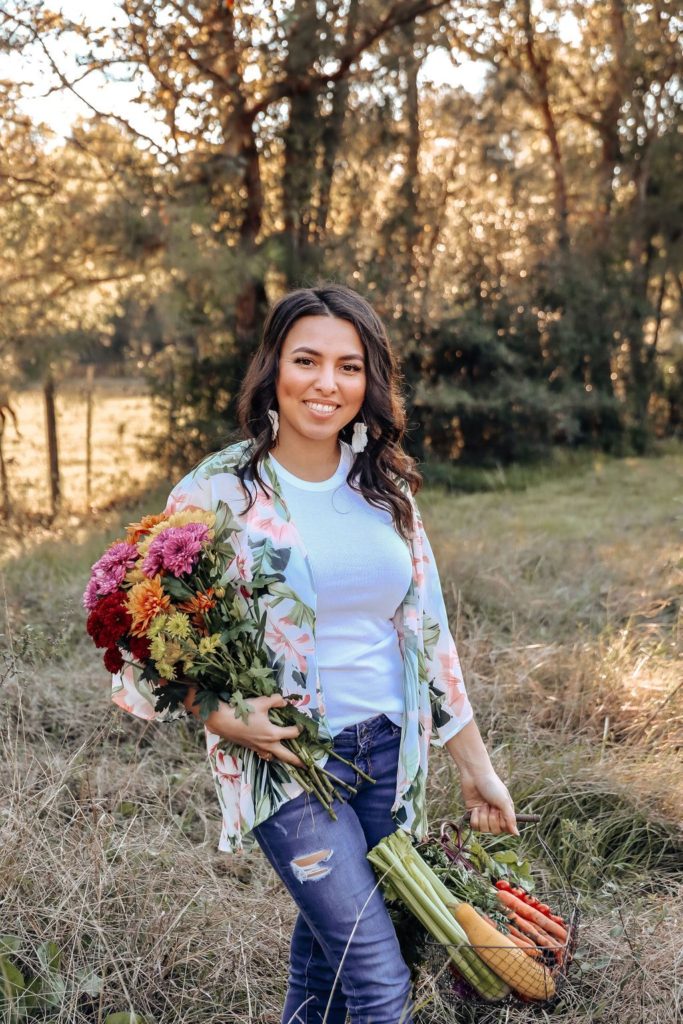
355,630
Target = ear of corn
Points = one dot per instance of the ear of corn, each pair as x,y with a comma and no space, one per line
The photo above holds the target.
522,973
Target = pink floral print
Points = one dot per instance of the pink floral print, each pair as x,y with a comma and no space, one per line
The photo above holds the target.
435,700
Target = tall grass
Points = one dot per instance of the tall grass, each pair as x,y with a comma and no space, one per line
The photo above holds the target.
565,603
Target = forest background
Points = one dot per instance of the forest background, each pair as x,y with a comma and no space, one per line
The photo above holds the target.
518,226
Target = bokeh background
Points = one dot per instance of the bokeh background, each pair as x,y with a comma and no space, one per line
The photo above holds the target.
502,179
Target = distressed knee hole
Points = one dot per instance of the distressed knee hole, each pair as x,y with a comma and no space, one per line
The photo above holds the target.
312,866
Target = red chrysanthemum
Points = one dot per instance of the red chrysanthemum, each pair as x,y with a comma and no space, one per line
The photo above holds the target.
138,647
109,620
113,660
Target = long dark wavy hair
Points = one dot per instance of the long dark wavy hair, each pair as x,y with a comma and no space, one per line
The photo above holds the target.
374,470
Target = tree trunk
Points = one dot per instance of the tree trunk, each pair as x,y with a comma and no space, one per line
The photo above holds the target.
302,141
539,70
333,129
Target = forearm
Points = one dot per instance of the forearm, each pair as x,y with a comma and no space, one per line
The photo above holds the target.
468,750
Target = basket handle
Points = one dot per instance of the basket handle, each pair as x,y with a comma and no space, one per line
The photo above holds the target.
534,819
521,819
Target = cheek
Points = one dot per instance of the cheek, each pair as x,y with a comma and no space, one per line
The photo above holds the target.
355,389
289,383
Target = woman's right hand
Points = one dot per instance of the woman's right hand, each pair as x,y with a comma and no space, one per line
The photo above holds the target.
258,732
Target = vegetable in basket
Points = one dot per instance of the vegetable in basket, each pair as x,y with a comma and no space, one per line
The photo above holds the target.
405,876
500,926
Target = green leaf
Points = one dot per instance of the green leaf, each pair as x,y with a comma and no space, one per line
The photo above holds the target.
12,980
242,709
506,857
88,983
207,702
9,943
49,956
176,588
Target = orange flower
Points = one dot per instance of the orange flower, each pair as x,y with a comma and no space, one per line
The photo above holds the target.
145,600
196,607
137,530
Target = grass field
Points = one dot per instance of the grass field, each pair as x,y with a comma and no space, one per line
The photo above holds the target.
565,602
123,415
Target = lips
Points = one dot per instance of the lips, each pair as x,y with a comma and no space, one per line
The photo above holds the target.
323,410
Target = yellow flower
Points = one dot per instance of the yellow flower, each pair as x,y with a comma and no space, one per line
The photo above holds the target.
157,625
178,626
157,648
208,644
165,670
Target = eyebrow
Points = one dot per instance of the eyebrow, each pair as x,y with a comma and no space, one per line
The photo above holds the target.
304,348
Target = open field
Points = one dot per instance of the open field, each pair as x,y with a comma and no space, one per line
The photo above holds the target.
123,415
565,602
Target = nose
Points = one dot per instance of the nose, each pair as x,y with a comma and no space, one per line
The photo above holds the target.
326,384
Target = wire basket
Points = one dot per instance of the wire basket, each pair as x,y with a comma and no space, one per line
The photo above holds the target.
538,970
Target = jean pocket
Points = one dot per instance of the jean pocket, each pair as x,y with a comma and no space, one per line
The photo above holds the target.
395,730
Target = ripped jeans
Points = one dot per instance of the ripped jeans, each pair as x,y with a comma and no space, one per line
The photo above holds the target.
344,952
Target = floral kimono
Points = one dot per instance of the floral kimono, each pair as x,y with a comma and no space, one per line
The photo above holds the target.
436,706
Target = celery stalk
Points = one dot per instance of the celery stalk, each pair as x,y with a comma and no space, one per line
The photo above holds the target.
413,881
439,895
436,924
401,845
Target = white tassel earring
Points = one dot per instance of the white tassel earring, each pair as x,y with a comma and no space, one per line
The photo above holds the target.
360,436
274,422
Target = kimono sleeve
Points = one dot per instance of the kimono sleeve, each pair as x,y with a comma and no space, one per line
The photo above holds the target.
451,709
129,691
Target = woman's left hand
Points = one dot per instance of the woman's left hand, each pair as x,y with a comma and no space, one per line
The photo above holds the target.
490,805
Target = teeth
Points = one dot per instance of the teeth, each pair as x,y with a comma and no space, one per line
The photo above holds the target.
321,408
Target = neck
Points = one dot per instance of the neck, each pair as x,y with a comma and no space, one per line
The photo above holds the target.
307,458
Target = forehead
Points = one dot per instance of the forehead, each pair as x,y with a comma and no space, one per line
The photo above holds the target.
326,334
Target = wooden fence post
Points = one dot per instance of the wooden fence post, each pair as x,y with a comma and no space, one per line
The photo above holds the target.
53,453
4,479
89,380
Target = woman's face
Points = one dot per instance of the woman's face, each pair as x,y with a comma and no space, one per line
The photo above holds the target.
321,378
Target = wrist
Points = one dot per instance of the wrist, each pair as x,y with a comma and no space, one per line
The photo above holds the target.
469,752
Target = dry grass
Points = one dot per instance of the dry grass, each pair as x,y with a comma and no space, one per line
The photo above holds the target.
567,617
123,415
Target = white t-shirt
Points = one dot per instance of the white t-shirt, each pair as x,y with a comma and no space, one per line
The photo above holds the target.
362,569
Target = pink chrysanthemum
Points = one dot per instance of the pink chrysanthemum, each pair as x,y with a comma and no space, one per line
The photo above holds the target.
175,550
108,572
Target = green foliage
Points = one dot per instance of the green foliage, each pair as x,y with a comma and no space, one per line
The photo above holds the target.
38,990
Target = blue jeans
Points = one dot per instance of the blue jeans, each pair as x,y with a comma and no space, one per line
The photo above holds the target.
344,951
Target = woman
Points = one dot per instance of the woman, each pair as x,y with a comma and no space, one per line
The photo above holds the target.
321,492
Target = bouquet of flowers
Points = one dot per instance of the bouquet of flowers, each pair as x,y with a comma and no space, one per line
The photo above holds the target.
169,601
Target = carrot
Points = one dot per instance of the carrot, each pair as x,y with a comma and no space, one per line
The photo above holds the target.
524,910
515,936
524,944
520,939
524,974
539,937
